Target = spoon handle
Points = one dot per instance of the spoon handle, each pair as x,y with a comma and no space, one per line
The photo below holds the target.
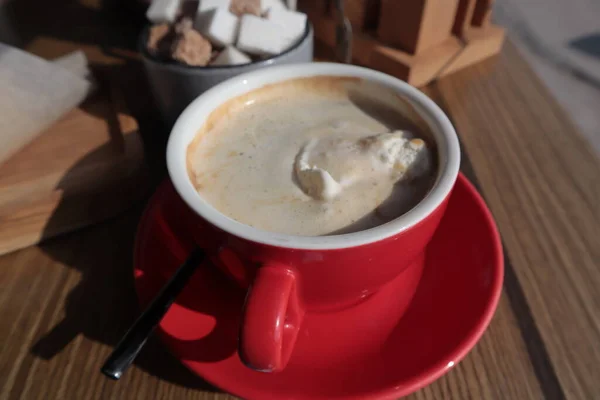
130,345
343,34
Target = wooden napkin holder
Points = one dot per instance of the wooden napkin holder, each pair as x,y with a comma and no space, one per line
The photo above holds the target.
414,40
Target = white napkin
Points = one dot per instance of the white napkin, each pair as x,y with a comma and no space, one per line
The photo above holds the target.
34,93
75,62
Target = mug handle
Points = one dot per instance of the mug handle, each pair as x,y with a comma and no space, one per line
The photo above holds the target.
271,319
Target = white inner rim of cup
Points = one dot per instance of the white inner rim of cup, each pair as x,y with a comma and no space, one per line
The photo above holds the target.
194,116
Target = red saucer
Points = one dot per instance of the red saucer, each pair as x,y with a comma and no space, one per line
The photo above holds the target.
382,349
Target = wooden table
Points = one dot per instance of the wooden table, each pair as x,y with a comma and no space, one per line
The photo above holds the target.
64,305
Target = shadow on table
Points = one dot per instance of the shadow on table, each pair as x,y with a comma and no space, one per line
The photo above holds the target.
103,303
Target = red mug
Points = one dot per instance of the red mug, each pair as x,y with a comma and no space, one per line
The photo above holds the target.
287,275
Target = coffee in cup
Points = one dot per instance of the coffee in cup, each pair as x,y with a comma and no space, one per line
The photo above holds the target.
313,156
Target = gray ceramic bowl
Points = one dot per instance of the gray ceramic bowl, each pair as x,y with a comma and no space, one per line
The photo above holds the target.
175,85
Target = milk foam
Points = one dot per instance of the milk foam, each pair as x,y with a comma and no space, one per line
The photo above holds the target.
327,166
243,161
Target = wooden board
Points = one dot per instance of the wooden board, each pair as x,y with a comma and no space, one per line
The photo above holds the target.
451,56
417,70
87,167
478,44
482,15
464,16
416,26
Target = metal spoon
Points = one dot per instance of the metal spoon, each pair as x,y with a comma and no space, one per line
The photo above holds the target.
135,338
343,34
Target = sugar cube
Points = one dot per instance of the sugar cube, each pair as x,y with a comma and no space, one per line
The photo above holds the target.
207,5
231,56
260,36
159,39
293,22
268,5
191,48
292,4
241,7
206,9
263,36
185,24
219,25
161,11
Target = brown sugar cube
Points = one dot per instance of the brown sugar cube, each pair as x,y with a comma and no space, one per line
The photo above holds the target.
160,38
416,25
241,7
464,15
191,48
184,25
482,15
363,14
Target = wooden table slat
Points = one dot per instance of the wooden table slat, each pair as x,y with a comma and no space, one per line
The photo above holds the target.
542,184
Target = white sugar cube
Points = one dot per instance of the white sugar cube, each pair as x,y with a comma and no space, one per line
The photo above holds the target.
163,11
263,37
293,22
231,56
206,9
219,25
206,5
267,5
292,4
